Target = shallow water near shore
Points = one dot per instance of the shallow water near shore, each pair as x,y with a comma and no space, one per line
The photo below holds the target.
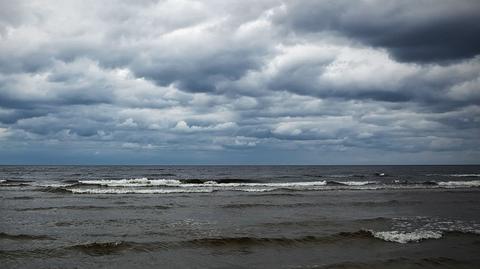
240,216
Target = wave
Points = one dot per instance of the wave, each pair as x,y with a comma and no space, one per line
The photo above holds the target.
406,237
218,181
115,247
86,207
269,184
234,241
430,183
14,183
58,190
419,228
136,182
431,262
24,237
71,181
464,175
212,242
312,175
338,176
91,207
248,205
165,186
446,184
472,183
145,182
351,183
136,191
130,190
388,236
384,203
108,248
99,249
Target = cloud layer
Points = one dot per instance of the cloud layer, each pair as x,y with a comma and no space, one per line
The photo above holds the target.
240,82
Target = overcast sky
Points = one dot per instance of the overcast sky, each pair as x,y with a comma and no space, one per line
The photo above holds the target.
240,82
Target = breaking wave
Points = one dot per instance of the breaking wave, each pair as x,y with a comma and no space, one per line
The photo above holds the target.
136,191
212,242
134,182
472,183
406,237
351,183
464,175
222,242
166,186
14,183
145,182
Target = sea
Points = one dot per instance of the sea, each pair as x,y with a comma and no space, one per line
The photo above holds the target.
240,216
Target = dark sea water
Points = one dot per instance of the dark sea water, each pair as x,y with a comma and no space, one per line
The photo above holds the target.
240,216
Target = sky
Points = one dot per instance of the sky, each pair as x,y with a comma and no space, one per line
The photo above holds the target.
240,82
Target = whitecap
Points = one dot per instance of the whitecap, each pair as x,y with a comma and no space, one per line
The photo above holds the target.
406,237
133,182
357,183
256,190
137,191
295,185
472,183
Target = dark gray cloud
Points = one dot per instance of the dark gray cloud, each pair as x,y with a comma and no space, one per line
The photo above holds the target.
412,31
211,81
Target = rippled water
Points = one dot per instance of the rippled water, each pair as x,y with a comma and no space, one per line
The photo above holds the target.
240,216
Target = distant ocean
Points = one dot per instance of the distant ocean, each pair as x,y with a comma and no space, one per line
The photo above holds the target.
240,217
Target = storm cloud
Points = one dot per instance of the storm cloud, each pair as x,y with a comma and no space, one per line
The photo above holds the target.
315,82
412,31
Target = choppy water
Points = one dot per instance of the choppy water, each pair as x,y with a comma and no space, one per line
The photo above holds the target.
240,216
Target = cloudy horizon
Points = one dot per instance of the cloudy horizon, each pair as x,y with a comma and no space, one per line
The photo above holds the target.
240,82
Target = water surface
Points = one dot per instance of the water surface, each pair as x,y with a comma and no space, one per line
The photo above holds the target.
240,216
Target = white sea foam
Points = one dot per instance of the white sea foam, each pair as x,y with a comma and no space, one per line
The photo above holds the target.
256,190
144,182
339,176
271,184
235,186
405,237
357,183
138,185
136,191
3,180
133,182
472,183
464,175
